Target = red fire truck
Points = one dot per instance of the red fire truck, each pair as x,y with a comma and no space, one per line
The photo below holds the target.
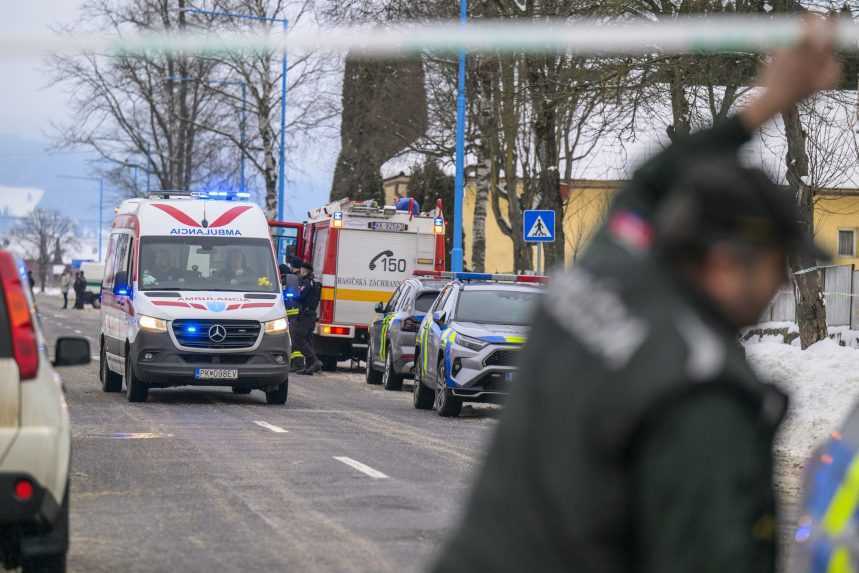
360,253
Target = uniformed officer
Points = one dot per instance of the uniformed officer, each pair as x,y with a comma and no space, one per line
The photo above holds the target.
827,537
637,437
309,292
289,279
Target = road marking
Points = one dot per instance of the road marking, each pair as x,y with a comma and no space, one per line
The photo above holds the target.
272,427
365,469
78,332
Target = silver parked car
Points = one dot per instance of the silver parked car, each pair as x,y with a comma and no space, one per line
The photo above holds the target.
391,352
468,341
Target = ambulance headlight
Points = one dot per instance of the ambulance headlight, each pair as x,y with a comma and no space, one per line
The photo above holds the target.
278,326
152,324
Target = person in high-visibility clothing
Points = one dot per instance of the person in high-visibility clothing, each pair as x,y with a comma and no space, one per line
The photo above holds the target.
826,535
291,289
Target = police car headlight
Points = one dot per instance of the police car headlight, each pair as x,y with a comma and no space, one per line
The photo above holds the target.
152,324
474,344
278,326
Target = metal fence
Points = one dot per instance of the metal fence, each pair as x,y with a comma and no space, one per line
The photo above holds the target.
842,308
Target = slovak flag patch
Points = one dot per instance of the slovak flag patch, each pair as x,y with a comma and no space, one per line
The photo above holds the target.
631,230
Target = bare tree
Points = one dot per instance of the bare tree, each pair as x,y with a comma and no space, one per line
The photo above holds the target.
44,236
144,111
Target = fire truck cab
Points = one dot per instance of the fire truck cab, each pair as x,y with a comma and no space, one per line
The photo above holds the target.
360,253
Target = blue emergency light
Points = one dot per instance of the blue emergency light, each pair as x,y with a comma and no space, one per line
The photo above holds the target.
190,329
222,195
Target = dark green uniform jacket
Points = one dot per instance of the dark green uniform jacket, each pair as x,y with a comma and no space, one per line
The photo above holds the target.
637,438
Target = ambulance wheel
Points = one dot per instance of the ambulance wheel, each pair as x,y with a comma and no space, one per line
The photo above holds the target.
329,363
423,398
135,389
110,381
390,379
446,404
278,396
371,375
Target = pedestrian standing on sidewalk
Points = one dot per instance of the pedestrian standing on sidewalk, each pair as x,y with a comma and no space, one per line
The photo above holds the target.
637,438
80,290
65,285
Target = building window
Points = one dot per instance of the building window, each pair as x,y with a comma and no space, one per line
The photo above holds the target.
846,244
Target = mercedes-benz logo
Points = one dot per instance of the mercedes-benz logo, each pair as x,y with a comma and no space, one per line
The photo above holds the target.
217,333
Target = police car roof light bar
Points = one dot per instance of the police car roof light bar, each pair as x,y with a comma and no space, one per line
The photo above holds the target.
465,276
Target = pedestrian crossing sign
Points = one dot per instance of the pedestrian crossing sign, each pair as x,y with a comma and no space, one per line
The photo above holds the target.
539,226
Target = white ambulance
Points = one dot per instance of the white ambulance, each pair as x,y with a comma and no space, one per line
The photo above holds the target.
361,252
192,296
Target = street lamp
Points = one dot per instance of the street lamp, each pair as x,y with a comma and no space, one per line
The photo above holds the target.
100,202
242,123
459,182
281,174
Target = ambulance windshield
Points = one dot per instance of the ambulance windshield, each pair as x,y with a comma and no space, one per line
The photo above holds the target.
207,264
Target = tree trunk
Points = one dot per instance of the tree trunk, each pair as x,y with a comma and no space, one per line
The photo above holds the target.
485,167
810,307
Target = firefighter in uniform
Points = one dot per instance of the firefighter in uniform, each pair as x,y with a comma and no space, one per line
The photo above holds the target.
637,437
290,281
309,292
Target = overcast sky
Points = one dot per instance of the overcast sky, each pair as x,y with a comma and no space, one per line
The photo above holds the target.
27,105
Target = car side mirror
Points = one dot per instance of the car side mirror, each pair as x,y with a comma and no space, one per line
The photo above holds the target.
380,308
438,317
72,351
120,284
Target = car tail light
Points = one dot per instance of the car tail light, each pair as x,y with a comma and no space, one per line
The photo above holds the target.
411,324
24,344
24,490
328,329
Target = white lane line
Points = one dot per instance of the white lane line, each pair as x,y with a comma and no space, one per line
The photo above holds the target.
78,332
272,427
365,469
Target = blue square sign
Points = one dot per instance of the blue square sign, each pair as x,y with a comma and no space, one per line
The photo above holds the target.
539,226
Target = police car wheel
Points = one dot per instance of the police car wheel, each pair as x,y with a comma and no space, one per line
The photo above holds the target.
110,381
135,389
278,396
446,404
423,398
371,375
390,379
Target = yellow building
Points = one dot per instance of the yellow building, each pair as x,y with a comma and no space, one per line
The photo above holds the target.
836,220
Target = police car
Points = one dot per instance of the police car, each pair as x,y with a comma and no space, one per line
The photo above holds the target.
391,350
467,342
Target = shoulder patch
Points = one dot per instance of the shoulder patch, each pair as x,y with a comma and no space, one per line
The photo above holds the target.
706,350
593,312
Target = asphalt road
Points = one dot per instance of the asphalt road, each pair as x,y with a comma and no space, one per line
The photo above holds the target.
345,477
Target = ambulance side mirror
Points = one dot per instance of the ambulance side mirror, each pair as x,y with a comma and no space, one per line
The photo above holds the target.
120,284
380,308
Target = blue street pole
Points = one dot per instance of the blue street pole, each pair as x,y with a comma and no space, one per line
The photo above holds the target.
457,254
281,171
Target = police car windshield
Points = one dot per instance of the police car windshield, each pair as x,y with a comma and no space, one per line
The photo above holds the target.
502,306
424,300
207,263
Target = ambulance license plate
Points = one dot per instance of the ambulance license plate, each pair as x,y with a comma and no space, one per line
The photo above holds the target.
216,373
387,226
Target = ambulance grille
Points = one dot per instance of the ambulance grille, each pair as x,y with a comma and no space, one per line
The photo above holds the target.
237,333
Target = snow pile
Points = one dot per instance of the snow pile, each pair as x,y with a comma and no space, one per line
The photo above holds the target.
823,384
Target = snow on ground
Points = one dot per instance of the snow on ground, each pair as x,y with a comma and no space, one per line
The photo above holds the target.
823,384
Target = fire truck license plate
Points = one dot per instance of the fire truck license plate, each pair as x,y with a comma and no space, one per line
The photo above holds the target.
387,226
216,374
